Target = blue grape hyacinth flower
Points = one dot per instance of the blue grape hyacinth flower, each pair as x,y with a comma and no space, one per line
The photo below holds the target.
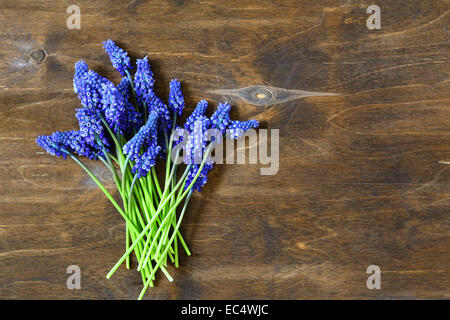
145,94
143,81
176,98
237,128
197,125
60,144
202,178
119,57
81,69
221,117
143,138
55,144
195,149
133,117
198,111
114,107
143,148
88,85
91,127
146,161
78,145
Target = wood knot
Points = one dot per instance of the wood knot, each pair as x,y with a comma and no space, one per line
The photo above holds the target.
260,95
37,56
256,95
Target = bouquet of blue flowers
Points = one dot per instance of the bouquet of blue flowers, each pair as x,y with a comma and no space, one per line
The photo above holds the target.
130,129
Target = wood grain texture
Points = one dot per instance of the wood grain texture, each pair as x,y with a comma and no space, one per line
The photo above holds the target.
359,182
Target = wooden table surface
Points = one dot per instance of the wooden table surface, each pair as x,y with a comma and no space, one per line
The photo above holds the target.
361,177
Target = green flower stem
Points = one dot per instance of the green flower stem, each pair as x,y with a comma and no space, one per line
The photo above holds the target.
173,220
143,232
158,264
100,185
143,203
170,176
145,199
132,203
130,80
112,134
168,158
143,196
143,189
155,180
167,222
128,234
131,213
163,202
145,250
184,194
180,237
165,207
164,270
127,245
114,158
153,192
127,201
120,185
152,230
152,209
130,192
113,169
154,241
156,198
129,223
165,198
108,164
175,245
138,250
143,262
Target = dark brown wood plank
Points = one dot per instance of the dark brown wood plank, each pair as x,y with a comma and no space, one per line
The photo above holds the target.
359,182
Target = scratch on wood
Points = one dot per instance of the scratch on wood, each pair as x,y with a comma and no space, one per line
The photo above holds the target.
260,95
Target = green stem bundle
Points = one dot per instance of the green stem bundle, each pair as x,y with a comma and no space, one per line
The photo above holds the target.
151,223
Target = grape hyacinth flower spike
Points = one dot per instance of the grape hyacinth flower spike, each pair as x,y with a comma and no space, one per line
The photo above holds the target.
237,128
61,144
88,85
91,127
114,107
143,147
119,57
145,94
195,151
133,118
143,81
221,117
176,98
